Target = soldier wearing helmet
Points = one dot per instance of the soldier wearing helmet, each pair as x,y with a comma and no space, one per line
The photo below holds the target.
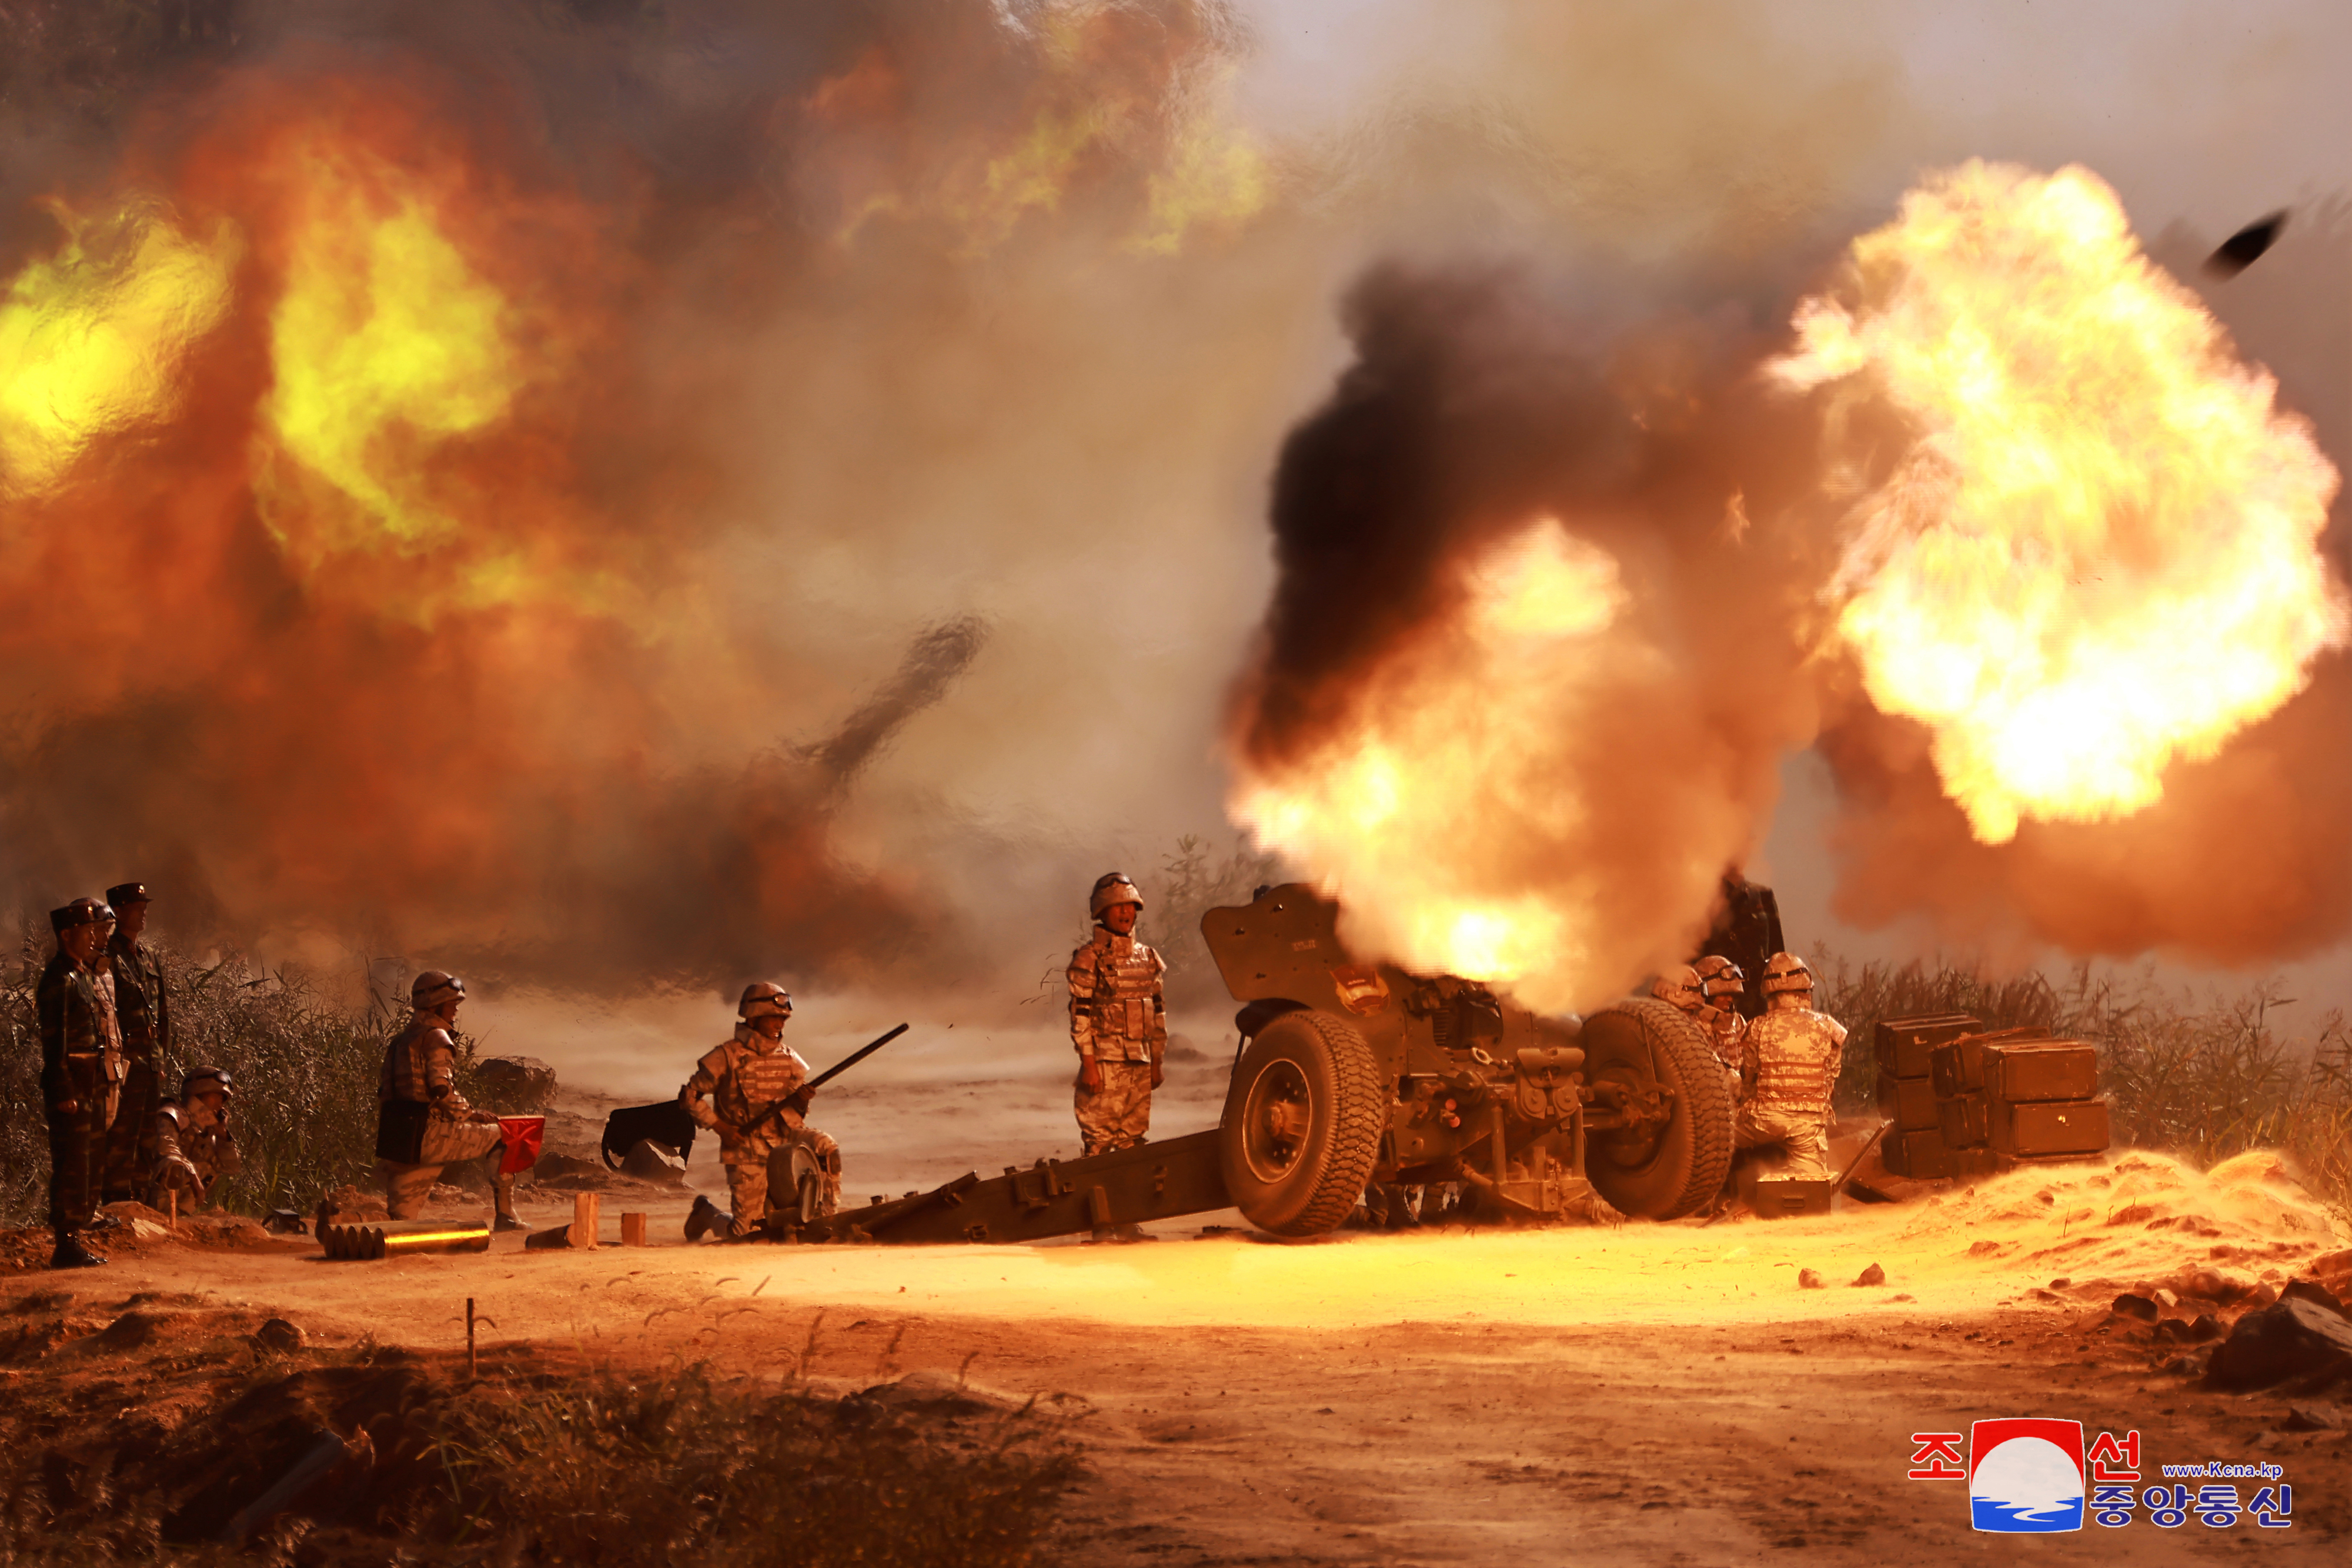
144,1014
751,1089
195,1145
82,1071
1793,1056
1679,988
1118,1020
1721,983
422,1122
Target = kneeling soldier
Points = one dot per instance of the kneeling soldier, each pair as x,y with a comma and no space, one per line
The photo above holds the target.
751,1089
424,1124
195,1147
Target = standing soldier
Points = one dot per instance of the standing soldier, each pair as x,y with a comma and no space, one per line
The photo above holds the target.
195,1147
81,1071
144,1014
1118,1022
1794,1054
751,1089
422,1122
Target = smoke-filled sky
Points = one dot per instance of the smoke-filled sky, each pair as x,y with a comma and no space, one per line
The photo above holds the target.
616,495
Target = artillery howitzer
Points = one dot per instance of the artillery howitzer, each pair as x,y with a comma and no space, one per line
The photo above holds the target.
1351,1075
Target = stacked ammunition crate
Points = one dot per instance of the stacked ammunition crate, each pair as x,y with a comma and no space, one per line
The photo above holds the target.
2018,1096
1913,1145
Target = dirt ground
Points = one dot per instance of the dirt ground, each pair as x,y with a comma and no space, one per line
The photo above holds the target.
1641,1394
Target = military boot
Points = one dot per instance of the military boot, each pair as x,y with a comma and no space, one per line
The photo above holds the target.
506,1222
706,1218
72,1254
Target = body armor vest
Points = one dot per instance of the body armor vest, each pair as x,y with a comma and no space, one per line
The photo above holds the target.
1797,1053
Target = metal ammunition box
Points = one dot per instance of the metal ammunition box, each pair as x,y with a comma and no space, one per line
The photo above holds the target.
1956,1067
2049,1127
2040,1070
1902,1044
1908,1102
1784,1198
1962,1121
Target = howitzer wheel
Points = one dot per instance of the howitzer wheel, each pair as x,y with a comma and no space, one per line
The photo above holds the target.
1668,1168
1302,1125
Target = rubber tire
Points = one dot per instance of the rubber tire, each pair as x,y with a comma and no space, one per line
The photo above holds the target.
1347,1110
1692,1157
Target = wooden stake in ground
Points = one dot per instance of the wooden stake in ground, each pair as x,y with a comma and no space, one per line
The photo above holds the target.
174,1199
586,1211
473,1368
633,1230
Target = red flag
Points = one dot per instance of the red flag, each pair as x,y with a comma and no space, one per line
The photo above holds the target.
523,1134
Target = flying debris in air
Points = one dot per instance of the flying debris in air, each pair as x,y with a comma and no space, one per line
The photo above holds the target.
2242,249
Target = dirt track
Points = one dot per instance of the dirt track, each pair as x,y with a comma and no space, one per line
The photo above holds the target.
1642,1395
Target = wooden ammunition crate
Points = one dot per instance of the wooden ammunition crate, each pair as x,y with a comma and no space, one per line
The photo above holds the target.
1902,1044
1908,1102
1921,1156
1956,1067
2049,1126
1962,1121
2040,1070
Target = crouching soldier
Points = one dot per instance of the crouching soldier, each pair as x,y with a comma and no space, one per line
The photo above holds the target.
195,1147
1793,1057
422,1122
1681,988
752,1090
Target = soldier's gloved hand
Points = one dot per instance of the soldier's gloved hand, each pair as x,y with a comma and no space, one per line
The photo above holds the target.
1090,1074
1158,1075
799,1098
186,1176
68,1107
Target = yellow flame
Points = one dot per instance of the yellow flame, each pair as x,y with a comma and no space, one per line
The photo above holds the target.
2101,553
95,338
1214,174
387,344
1395,812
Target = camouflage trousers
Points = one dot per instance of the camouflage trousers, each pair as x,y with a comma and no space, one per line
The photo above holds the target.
447,1142
1118,1114
130,1143
1803,1132
77,1165
746,1175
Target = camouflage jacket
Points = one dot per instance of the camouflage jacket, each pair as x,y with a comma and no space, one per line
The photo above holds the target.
140,1005
1117,1011
420,1063
1726,1031
211,1150
82,1047
1793,1055
740,1085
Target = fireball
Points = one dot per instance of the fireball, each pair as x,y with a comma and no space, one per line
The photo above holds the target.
2098,554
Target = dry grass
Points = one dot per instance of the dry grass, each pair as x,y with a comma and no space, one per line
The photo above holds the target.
2206,1079
306,1073
535,1464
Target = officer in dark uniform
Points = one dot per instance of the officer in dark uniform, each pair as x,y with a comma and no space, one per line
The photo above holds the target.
81,1071
144,1014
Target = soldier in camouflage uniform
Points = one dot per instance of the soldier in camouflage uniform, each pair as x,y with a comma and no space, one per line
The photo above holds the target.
1118,1022
751,1089
1721,981
82,1068
420,1083
195,1147
144,1013
1794,1054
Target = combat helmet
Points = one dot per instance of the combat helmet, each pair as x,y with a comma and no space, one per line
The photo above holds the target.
1113,888
763,999
1785,972
1678,986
